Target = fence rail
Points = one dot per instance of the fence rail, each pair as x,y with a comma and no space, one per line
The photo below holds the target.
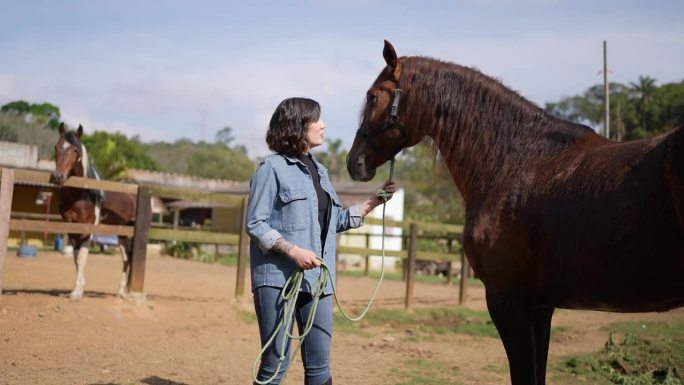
35,222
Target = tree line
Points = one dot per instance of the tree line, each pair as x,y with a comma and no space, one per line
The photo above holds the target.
638,110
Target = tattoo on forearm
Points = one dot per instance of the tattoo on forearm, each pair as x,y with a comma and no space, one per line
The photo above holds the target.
282,246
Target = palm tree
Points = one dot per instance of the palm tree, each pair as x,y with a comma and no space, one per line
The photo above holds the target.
645,89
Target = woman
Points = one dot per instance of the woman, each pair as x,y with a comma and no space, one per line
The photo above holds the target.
292,217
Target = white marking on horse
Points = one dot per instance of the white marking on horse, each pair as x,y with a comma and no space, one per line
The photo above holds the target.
124,274
81,258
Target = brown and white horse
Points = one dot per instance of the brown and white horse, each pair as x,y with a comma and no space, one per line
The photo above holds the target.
556,215
89,206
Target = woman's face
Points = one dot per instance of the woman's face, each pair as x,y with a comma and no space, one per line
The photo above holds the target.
314,136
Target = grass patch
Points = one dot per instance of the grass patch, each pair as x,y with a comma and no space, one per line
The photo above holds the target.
248,317
227,259
636,353
423,323
425,372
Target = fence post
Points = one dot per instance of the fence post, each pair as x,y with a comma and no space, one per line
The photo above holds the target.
450,249
404,261
143,217
366,271
411,264
463,285
243,251
6,191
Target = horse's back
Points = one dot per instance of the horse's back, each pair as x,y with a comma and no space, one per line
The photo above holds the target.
615,219
118,208
596,220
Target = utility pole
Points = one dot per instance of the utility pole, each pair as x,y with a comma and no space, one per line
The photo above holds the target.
606,93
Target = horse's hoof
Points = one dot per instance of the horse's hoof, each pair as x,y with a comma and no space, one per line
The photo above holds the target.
76,295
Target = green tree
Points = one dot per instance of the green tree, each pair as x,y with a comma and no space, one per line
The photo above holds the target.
644,89
639,110
45,113
19,106
335,159
218,162
430,192
225,136
17,128
114,153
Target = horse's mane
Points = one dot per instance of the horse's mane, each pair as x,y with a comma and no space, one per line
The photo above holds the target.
458,101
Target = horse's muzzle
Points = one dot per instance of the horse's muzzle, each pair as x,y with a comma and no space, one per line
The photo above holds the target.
58,177
358,169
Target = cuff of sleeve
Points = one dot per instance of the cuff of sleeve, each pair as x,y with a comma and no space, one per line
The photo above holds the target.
269,239
355,217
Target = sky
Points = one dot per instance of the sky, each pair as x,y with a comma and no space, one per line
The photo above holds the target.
165,70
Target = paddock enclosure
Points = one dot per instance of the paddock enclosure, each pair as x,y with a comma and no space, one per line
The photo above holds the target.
193,328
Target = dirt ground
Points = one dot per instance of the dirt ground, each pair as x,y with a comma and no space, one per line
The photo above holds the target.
191,330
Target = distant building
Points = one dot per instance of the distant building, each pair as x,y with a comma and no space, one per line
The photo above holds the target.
18,155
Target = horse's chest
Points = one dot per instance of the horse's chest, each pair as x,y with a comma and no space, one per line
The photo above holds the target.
81,213
500,253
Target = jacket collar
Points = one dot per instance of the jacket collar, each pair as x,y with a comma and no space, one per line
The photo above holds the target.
293,160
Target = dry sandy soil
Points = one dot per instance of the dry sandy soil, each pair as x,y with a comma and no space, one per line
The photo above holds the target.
191,330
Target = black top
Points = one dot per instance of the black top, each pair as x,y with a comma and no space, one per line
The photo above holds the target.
321,196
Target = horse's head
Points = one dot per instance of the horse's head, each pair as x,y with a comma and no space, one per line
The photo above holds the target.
382,133
69,155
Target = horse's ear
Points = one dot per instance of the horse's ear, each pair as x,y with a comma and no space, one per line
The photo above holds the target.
61,128
79,132
390,55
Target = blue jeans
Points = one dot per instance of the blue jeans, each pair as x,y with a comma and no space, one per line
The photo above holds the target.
315,348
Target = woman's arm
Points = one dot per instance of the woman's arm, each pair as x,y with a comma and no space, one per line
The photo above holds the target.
263,189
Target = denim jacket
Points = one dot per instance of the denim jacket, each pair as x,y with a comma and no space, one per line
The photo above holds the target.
282,203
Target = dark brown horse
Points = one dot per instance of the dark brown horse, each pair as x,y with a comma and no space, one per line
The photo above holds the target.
556,215
89,206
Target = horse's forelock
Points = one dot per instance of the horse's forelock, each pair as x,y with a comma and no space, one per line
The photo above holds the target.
73,140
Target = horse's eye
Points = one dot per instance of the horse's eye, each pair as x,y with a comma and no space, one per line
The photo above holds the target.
370,98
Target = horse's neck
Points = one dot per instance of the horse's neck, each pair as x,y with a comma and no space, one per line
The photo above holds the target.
85,169
487,133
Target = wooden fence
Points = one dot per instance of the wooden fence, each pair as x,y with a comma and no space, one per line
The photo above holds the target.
411,254
139,232
142,232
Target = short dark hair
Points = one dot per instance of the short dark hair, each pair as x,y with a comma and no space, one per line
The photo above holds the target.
290,124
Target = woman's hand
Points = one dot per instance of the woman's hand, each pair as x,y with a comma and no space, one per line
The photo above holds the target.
305,259
389,188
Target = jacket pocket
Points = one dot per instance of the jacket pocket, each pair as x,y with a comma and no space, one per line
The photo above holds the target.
295,209
288,196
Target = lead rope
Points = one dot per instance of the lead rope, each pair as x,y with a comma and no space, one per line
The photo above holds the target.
290,293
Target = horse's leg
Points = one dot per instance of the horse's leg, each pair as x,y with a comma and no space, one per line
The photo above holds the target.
125,259
513,320
542,333
80,259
